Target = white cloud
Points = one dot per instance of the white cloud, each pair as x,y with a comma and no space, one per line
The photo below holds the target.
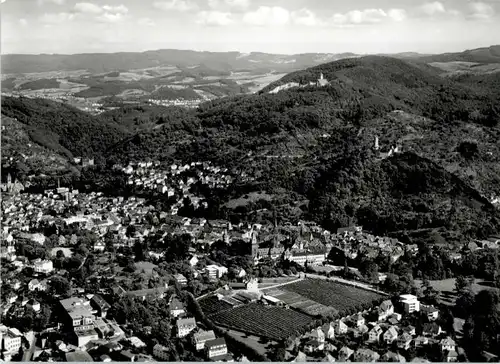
266,15
366,16
2,1
214,18
179,5
110,17
57,2
119,9
433,8
229,4
146,21
23,22
57,18
480,11
397,14
305,17
88,8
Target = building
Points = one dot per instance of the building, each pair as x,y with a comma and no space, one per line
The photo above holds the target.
78,314
11,340
100,305
215,271
179,278
390,335
185,326
404,341
200,338
431,311
447,344
340,327
43,266
345,353
161,352
410,303
385,310
366,355
176,307
374,334
216,348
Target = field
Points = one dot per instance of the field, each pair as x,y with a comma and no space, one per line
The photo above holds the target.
275,323
299,302
332,294
246,199
446,288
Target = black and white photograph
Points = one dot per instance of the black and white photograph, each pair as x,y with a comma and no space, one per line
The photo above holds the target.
250,181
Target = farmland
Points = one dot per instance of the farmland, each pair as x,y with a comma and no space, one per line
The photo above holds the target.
300,303
266,321
333,294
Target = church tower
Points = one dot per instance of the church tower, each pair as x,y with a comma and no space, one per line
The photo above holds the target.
255,245
376,146
9,179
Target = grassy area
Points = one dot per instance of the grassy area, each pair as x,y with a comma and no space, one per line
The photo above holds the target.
246,199
446,287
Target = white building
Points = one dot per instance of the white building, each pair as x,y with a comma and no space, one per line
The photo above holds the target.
185,326
410,303
10,339
43,266
216,348
200,338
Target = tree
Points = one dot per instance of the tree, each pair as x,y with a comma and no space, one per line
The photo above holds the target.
463,284
60,286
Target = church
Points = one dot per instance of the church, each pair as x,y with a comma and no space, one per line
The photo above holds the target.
12,187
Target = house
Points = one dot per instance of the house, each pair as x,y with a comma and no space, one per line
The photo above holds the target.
43,266
12,339
161,352
420,341
215,271
100,305
340,327
33,304
447,344
431,311
77,314
201,337
185,326
99,246
314,345
345,353
193,260
358,320
176,307
385,310
318,334
391,357
180,279
410,303
404,341
374,334
390,335
431,329
216,349
452,356
328,330
410,330
366,355
36,285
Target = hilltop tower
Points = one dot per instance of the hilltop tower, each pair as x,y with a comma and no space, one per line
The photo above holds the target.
376,146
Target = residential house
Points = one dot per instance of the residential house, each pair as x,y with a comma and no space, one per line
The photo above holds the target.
176,307
216,349
385,310
404,341
345,354
193,260
12,339
185,326
410,330
99,246
100,305
431,311
390,335
215,271
420,341
366,355
358,320
340,327
201,337
374,334
36,285
43,266
409,302
318,334
329,330
180,279
34,305
447,344
452,356
314,345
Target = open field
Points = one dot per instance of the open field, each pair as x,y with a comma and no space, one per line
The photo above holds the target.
446,288
275,323
246,199
299,302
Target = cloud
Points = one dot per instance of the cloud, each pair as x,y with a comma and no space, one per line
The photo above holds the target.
229,4
146,22
214,18
178,5
23,22
397,14
57,2
366,16
2,1
480,11
88,8
56,18
433,8
120,9
266,15
305,17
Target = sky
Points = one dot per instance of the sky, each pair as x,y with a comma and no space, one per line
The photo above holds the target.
272,26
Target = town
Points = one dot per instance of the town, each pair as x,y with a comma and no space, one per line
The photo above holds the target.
88,277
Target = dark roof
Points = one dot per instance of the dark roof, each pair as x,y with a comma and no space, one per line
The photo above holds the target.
78,356
217,342
98,300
